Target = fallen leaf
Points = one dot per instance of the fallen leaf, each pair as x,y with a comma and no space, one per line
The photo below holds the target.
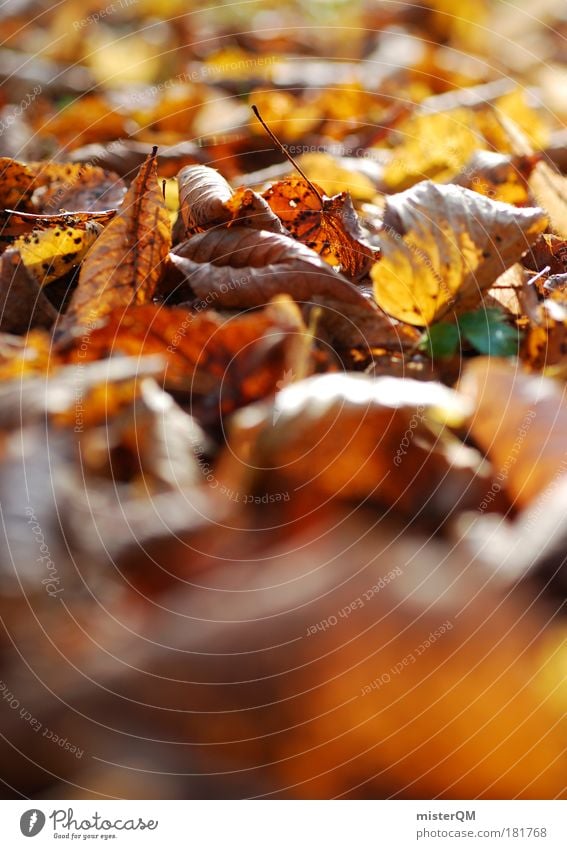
519,420
545,341
548,187
550,252
90,118
443,246
498,176
241,267
328,225
357,327
50,253
433,146
358,176
207,200
22,304
356,437
16,185
75,187
223,362
127,262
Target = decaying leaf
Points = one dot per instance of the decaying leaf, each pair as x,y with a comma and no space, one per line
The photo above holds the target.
207,200
75,187
442,246
16,185
241,267
50,253
328,225
127,262
22,304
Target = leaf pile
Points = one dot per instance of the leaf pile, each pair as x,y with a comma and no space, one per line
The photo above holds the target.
283,409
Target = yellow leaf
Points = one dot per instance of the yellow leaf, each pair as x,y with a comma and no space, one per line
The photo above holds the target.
49,254
336,175
442,246
433,146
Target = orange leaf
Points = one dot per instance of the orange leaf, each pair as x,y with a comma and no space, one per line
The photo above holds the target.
127,261
328,225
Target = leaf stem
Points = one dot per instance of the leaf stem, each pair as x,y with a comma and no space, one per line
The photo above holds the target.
278,143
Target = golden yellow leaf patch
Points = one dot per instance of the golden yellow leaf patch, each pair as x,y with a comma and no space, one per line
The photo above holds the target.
443,246
49,254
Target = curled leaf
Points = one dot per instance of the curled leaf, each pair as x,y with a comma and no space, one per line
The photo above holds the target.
443,246
207,200
75,187
241,267
202,195
127,261
51,253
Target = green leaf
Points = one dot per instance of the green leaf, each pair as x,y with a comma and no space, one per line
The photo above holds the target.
440,340
488,332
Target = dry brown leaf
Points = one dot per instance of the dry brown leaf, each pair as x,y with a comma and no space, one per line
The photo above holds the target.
22,304
241,267
443,246
127,262
207,200
75,187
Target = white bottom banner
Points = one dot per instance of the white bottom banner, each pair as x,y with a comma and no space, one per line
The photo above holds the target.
281,824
